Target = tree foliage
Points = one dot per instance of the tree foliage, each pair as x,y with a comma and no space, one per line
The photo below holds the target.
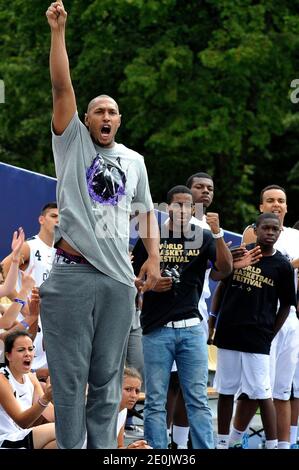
202,86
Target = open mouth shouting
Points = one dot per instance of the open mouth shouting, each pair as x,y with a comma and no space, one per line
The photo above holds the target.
105,133
27,363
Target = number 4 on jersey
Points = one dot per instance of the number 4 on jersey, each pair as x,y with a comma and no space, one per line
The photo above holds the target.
37,255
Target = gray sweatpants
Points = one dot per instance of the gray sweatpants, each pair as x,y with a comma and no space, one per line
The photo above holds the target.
86,319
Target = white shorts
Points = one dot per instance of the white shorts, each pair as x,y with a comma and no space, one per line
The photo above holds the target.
202,305
244,373
296,380
284,357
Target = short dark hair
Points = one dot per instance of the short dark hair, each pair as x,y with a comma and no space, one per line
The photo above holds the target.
93,101
197,175
49,205
180,189
266,215
271,186
10,341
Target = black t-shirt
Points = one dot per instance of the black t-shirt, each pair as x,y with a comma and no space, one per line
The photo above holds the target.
190,259
248,310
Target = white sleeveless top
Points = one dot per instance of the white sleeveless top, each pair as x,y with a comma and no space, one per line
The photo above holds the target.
9,430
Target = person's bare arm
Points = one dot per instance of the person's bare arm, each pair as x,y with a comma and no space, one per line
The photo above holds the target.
22,263
31,314
25,418
295,263
224,261
23,259
163,284
10,316
121,438
281,317
248,235
248,258
45,395
141,444
215,307
11,275
64,101
149,232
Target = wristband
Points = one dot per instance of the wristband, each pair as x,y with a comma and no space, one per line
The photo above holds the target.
25,324
42,403
220,234
20,301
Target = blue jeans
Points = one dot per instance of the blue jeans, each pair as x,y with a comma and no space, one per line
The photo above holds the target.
188,347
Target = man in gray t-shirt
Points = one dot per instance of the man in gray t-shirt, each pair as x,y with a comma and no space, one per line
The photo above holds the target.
88,301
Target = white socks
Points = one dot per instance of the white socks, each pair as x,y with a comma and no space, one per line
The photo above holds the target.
293,434
235,436
180,436
271,444
281,445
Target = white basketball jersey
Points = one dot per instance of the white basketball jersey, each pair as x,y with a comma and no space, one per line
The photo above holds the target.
288,245
41,257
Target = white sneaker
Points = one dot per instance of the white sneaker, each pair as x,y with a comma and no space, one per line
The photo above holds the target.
222,444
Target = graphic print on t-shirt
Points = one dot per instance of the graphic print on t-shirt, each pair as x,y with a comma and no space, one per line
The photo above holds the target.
172,252
248,311
106,183
252,276
181,300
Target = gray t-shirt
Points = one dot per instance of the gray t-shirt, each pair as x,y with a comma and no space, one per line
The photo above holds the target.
98,229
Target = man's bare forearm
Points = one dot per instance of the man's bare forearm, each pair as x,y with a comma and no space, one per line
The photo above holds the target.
281,317
149,232
224,261
59,62
64,101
